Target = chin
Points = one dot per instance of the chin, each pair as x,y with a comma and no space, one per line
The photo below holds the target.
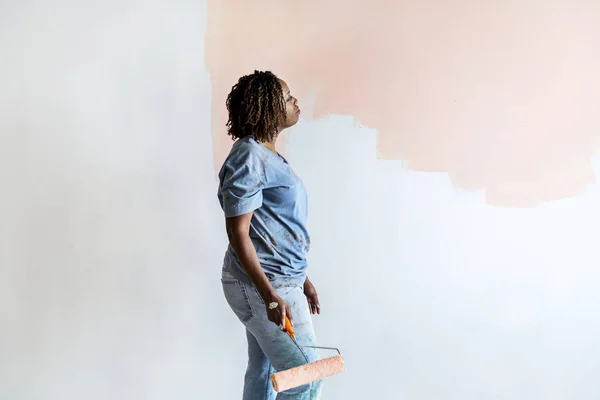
292,123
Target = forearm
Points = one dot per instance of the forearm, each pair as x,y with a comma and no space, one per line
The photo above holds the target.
244,249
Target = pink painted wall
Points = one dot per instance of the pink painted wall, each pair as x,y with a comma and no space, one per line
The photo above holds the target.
503,96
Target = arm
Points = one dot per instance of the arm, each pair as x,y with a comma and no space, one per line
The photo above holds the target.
239,237
312,297
238,233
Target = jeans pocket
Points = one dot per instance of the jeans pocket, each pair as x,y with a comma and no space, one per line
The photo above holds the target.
237,296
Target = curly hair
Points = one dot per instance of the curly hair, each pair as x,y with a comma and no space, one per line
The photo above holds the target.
256,107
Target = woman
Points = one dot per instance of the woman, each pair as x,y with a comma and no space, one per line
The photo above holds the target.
265,204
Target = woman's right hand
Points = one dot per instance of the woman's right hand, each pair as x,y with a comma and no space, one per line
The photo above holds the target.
277,315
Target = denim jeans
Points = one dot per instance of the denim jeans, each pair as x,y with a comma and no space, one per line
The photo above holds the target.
269,348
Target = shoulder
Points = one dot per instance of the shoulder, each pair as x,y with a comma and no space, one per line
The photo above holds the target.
245,152
245,158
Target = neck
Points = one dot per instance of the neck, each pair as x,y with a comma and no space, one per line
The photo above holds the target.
270,145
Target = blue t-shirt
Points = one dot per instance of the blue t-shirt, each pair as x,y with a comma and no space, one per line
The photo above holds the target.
253,178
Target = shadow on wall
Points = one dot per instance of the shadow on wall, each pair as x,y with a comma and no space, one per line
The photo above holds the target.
501,96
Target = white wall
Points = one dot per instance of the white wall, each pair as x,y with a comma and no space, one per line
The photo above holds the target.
112,238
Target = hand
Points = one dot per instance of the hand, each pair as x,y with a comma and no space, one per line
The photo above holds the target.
313,299
278,314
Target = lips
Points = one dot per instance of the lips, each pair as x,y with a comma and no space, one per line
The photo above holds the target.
298,112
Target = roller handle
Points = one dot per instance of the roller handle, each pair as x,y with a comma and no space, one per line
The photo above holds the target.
288,328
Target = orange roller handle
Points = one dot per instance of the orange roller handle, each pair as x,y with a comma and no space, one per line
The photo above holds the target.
288,328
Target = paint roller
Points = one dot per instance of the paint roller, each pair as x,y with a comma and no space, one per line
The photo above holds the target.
308,373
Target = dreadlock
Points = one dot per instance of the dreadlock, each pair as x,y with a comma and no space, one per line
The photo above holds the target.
256,107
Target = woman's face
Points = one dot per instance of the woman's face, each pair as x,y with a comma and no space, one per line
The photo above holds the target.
292,112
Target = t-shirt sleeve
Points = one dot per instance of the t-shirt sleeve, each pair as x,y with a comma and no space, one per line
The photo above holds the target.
241,191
